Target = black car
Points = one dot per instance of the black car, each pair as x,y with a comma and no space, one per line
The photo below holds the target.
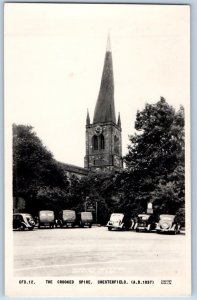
22,221
146,222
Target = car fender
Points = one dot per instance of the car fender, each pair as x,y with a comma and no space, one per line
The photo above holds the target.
148,227
122,225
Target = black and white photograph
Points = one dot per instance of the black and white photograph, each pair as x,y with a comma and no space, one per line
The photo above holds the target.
97,149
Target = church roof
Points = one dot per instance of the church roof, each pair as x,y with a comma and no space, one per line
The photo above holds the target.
105,108
73,169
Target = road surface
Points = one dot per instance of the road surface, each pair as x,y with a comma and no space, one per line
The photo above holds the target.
97,252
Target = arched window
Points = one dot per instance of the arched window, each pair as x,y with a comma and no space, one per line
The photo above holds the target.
95,142
102,142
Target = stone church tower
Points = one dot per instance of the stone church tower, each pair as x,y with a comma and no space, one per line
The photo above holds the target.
103,136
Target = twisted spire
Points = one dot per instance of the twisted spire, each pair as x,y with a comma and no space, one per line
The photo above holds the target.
105,108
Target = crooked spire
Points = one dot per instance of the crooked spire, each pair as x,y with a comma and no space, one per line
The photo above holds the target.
105,108
108,48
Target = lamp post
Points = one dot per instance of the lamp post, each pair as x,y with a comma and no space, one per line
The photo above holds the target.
96,211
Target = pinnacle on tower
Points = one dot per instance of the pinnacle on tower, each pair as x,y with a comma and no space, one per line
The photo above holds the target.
119,121
88,118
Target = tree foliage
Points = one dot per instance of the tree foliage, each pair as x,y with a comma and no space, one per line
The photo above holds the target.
95,188
154,172
34,168
155,160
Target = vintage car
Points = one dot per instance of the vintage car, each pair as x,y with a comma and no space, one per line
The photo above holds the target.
46,218
119,221
67,218
146,222
22,221
85,218
168,223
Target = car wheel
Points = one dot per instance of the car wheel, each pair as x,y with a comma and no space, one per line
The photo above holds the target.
174,232
109,228
137,230
22,227
90,225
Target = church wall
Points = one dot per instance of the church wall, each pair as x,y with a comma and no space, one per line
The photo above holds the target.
107,156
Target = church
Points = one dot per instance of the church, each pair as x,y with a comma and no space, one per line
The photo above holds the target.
103,134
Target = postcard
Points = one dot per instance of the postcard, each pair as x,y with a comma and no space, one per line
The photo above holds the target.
97,149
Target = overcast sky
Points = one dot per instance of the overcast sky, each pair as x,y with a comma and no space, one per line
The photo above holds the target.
54,55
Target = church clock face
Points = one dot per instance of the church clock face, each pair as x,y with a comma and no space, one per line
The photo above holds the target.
98,130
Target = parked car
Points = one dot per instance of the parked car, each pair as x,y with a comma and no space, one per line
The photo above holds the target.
85,218
146,222
67,218
22,221
119,221
168,223
46,218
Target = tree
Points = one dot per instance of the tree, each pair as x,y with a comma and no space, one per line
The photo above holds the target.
54,199
34,167
155,161
97,187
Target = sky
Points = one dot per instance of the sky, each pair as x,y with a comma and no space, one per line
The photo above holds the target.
53,61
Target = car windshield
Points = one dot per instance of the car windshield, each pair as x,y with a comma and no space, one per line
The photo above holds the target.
87,215
143,217
46,213
116,217
167,217
69,213
18,217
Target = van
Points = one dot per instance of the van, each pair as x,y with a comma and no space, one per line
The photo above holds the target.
85,218
67,218
46,218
